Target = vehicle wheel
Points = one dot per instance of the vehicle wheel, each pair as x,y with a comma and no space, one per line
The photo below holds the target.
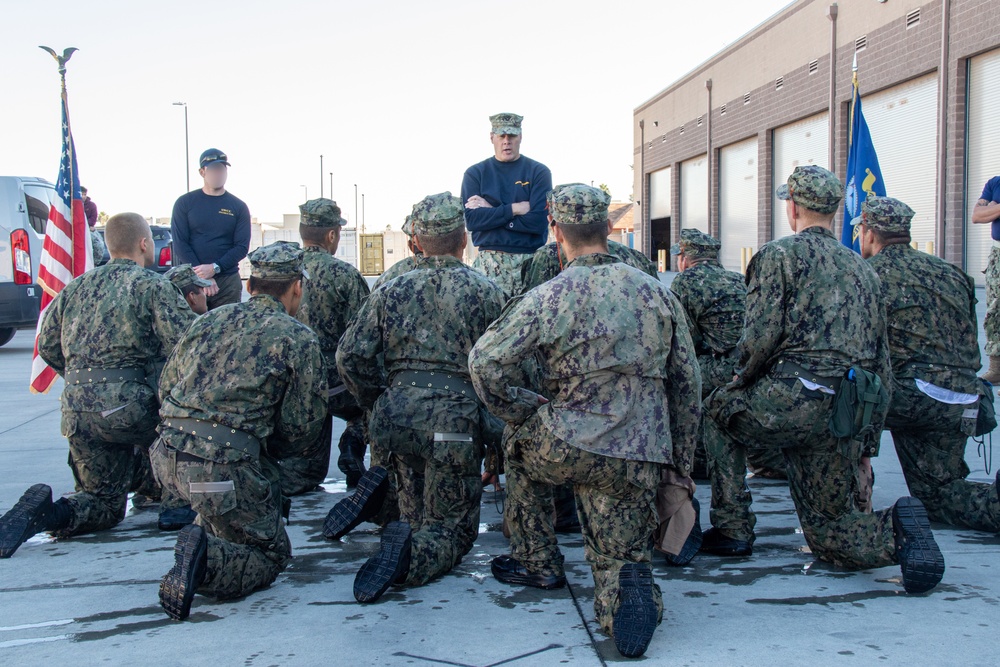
6,335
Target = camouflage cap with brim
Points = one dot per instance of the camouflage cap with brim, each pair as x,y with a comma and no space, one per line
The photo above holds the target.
696,244
408,225
885,214
183,276
578,204
437,215
814,188
321,213
281,260
506,123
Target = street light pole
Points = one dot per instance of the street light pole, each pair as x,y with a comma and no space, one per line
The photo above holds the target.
331,185
187,151
362,212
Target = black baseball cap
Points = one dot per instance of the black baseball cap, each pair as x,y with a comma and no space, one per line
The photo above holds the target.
211,156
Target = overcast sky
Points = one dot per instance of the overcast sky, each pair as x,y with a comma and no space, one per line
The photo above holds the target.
395,95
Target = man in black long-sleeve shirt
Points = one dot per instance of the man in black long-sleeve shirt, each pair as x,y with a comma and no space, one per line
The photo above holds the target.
504,199
211,231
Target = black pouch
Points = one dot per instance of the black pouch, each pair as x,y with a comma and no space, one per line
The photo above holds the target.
986,420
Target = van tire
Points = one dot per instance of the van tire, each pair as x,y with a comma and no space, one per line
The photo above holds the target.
6,335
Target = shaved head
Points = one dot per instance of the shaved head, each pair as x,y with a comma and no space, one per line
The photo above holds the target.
123,233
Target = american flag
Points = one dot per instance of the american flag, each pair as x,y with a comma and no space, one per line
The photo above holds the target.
67,250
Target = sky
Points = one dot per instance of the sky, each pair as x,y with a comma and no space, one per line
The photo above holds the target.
396,96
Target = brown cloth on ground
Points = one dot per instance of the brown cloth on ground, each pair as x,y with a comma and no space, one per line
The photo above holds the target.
674,511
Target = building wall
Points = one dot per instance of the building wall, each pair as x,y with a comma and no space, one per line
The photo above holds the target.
673,126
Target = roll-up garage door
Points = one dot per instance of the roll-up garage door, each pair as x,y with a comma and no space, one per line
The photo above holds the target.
983,148
797,144
659,194
903,125
694,193
737,201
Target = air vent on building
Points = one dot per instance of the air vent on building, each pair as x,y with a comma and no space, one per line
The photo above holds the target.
746,98
699,120
779,83
813,66
722,109
861,42
913,18
682,129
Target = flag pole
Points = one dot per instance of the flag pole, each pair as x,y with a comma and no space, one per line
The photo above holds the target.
61,60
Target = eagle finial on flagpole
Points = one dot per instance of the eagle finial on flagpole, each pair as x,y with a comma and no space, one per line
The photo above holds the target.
61,59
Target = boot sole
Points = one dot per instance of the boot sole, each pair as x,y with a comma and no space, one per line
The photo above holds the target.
361,506
178,587
384,568
635,620
920,559
25,519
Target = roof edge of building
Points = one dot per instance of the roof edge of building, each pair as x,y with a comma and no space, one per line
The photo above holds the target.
766,24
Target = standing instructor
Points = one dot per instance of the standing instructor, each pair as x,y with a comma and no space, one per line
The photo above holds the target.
504,199
211,231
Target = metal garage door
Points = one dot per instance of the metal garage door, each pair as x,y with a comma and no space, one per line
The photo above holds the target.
795,145
694,193
983,149
903,125
737,201
659,194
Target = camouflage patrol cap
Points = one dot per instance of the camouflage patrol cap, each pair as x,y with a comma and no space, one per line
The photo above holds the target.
814,188
437,215
408,226
885,214
183,276
321,213
282,260
506,123
696,244
578,204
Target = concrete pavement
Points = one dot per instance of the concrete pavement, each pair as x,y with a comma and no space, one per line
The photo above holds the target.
93,599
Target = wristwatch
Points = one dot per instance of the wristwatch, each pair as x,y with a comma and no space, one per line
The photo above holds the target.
216,268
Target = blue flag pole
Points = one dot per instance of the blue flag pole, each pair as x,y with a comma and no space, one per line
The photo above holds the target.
864,177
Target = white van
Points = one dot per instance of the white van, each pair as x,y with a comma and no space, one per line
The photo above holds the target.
24,210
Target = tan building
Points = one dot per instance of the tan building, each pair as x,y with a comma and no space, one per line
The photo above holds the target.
711,148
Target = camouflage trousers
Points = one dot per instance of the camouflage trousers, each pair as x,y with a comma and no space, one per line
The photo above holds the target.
991,323
239,506
308,467
109,457
718,372
503,268
615,502
930,444
439,496
822,470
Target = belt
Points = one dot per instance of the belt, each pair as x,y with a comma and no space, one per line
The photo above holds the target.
788,370
92,375
219,434
434,380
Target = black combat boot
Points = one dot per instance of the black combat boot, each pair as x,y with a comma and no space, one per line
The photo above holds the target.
693,542
178,587
351,461
176,518
716,543
362,506
920,559
389,566
635,620
32,514
509,570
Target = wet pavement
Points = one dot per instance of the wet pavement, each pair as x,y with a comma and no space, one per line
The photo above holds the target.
93,599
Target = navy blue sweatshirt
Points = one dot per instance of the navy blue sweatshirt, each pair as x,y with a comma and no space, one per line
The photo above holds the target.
503,184
210,230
